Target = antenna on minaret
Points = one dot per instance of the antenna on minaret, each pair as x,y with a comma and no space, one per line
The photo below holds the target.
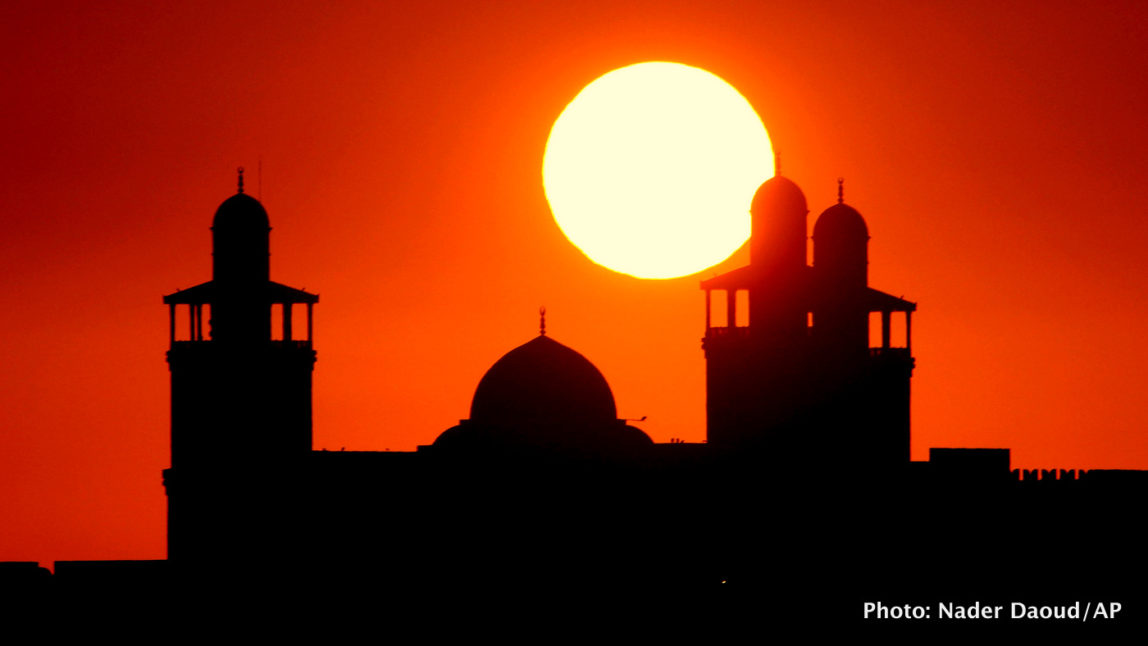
542,321
240,179
840,190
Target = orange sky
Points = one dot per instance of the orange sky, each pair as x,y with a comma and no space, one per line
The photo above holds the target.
999,156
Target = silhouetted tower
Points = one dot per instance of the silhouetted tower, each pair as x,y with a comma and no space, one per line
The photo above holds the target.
777,271
240,394
799,380
841,262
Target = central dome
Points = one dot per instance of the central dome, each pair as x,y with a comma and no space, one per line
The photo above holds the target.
543,381
544,398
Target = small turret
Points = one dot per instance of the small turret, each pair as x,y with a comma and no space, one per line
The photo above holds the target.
241,269
841,245
841,265
240,236
777,260
778,211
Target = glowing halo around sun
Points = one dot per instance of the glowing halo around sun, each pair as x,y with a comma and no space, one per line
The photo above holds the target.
651,169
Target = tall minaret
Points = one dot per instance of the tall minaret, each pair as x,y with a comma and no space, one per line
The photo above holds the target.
756,372
865,387
240,389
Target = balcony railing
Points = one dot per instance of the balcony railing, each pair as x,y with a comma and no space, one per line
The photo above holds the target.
727,333
899,353
304,344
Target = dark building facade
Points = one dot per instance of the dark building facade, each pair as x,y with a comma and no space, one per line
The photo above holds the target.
803,491
543,487
800,379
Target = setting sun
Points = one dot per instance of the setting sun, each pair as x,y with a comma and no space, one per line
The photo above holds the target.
651,168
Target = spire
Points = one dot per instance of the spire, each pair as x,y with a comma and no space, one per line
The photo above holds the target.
840,190
542,321
240,179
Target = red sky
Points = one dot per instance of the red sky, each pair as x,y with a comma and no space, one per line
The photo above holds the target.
998,154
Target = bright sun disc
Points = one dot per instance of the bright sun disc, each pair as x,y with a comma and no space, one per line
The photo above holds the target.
651,169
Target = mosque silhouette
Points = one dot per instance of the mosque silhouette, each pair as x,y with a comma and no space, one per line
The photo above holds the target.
802,502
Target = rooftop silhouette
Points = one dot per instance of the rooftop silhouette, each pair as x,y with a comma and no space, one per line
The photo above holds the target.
804,482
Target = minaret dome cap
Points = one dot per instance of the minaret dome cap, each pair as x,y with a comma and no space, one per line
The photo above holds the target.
841,221
241,211
779,194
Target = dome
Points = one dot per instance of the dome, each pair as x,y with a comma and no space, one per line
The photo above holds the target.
241,211
240,236
543,396
543,381
779,194
779,236
841,221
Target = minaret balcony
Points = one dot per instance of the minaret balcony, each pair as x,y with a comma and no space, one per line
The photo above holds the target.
897,353
739,332
303,344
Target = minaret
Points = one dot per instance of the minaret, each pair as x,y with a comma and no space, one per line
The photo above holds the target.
799,381
865,388
756,373
240,389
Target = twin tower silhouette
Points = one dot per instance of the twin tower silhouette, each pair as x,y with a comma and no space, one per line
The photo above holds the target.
801,504
802,507
543,454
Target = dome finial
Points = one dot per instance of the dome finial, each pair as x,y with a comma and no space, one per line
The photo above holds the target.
840,190
776,162
240,179
542,321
